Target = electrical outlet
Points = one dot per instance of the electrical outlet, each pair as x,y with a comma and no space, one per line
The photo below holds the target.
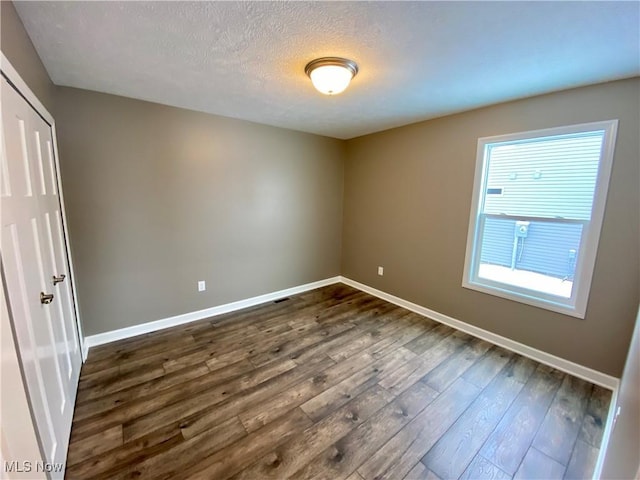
381,271
202,285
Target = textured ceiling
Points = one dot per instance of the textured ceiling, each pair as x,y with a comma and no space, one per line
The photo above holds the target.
417,60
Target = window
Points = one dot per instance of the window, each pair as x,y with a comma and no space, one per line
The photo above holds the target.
536,213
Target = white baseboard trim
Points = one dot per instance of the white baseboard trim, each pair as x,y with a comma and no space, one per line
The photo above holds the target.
122,333
593,376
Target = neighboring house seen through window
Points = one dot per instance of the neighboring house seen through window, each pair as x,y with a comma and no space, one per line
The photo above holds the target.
536,215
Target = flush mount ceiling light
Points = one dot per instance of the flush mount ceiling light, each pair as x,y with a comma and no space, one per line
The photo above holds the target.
331,75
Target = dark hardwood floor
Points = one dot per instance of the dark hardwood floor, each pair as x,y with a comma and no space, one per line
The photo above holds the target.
332,383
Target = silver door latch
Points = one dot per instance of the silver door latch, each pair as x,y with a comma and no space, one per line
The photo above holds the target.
46,298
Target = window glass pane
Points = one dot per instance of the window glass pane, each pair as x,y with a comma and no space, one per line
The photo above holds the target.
547,177
537,255
537,213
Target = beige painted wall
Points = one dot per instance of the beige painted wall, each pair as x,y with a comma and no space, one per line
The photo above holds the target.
17,47
159,197
623,454
407,202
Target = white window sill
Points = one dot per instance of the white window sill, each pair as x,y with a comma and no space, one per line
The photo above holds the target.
529,298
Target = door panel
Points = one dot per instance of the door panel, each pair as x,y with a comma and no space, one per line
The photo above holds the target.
33,253
54,255
64,351
19,263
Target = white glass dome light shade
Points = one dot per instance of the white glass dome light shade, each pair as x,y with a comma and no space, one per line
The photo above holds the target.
331,75
331,79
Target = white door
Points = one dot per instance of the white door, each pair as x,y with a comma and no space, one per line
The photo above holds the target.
36,273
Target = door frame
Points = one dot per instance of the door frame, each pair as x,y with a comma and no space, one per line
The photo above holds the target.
23,89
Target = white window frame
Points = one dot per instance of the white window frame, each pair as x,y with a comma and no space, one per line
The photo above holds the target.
576,305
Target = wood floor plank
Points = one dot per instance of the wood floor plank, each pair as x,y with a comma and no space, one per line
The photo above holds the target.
339,394
135,365
425,363
142,342
456,364
223,360
228,336
343,457
331,309
171,463
130,355
482,469
537,465
379,349
153,360
338,291
319,385
397,340
168,403
279,342
483,371
582,462
301,355
455,450
420,472
365,339
559,430
355,476
247,341
209,416
220,332
90,379
396,458
272,315
208,350
228,461
302,448
344,309
189,406
152,387
297,394
596,416
285,346
509,442
432,334
95,445
425,340
107,464
521,368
